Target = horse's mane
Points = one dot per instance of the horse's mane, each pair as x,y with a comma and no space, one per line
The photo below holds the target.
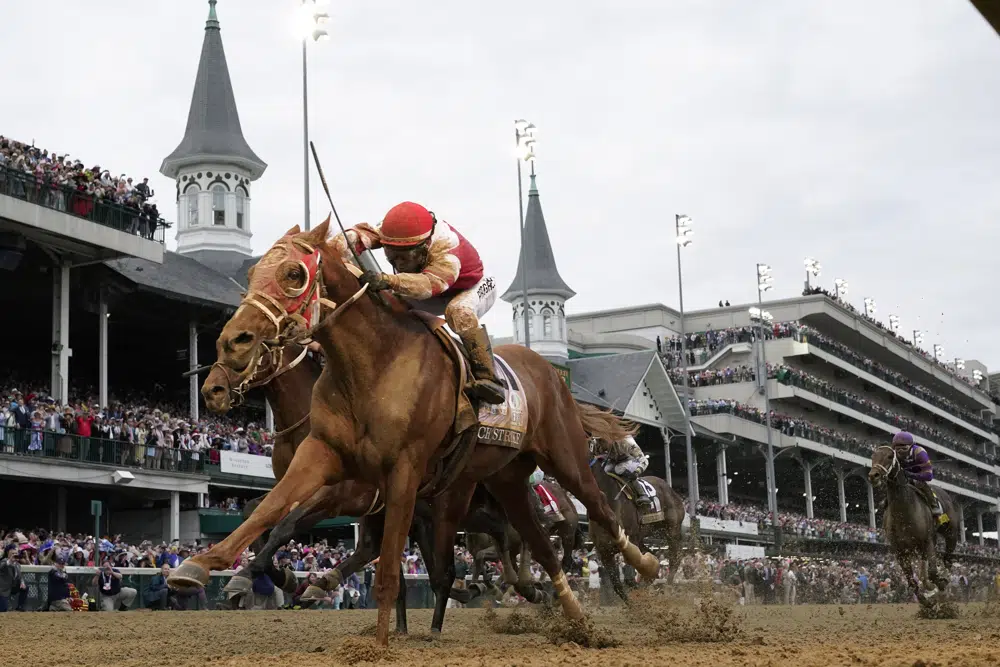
604,424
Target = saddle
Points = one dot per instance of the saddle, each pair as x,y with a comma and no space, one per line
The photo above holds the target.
502,425
657,514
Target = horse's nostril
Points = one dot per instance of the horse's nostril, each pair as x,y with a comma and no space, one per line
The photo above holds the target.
243,338
217,390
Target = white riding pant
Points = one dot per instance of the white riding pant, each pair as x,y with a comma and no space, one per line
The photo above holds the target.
628,468
463,310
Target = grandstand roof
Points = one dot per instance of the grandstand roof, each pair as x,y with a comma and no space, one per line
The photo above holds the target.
542,275
181,277
213,132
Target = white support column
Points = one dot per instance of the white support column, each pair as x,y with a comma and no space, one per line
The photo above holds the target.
996,518
61,353
665,434
723,477
193,364
979,527
61,509
961,522
268,416
175,515
102,350
807,472
871,504
357,538
841,496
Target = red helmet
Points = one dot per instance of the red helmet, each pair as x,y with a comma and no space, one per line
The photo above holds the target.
407,224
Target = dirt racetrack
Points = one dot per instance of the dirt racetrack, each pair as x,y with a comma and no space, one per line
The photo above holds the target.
802,636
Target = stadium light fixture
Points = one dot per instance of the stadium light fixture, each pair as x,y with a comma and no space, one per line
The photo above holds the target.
894,323
869,307
526,139
765,279
938,351
918,337
813,269
840,288
959,364
765,282
684,230
977,375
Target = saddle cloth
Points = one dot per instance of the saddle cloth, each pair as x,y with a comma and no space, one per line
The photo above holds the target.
654,516
549,503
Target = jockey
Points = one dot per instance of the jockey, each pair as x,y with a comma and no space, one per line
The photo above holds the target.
919,472
549,505
628,461
437,266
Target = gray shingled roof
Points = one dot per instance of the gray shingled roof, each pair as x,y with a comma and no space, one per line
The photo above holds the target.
542,275
180,276
227,262
213,130
616,375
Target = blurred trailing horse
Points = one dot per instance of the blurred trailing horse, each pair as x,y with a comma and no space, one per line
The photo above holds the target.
389,409
664,523
911,527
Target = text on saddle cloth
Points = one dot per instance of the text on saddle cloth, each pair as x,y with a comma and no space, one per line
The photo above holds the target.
504,424
657,513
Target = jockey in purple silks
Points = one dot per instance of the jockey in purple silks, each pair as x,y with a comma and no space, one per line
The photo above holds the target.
919,472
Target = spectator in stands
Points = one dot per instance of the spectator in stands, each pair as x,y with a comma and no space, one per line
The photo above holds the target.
114,596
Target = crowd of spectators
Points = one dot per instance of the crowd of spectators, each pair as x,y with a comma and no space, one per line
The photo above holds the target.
63,183
801,428
134,431
703,344
798,378
895,334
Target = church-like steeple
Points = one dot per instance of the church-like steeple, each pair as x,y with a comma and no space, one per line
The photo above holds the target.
547,291
213,132
213,165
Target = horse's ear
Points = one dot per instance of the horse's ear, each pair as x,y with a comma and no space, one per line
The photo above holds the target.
317,235
293,231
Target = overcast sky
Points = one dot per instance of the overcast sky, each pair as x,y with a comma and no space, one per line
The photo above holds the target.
862,132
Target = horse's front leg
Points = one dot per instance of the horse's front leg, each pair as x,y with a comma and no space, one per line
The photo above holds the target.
401,496
314,465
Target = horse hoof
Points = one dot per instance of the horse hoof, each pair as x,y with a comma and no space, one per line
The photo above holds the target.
435,631
313,593
238,584
188,575
649,567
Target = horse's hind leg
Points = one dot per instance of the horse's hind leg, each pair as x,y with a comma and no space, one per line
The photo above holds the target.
448,511
510,487
572,470
314,465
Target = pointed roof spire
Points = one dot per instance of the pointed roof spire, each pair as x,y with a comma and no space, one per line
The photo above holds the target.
213,130
542,276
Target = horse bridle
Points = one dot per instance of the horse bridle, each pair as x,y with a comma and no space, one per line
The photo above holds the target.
893,468
313,297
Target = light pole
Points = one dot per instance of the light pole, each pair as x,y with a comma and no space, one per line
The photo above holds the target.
938,351
524,137
894,323
311,18
840,289
869,308
684,232
765,282
812,269
918,338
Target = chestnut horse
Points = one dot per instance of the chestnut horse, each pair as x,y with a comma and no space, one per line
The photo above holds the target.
384,411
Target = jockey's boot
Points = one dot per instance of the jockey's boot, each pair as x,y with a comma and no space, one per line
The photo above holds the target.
642,501
485,386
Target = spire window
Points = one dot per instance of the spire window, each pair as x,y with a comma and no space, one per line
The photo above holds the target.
191,195
219,204
241,196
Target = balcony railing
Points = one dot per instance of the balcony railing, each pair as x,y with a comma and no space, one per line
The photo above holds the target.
29,443
798,428
69,200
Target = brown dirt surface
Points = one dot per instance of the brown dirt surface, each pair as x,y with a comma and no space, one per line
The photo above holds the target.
652,632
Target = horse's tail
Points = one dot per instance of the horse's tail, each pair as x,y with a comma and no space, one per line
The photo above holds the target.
604,424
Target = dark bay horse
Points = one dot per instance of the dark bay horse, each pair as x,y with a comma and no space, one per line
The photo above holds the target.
384,411
671,505
508,546
910,525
